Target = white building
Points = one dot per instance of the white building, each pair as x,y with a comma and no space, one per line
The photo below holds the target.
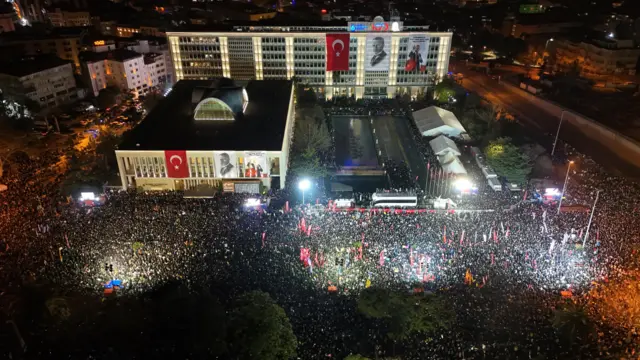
125,69
212,134
436,121
47,80
443,145
378,62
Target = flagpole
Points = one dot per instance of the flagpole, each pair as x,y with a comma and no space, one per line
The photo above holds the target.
593,209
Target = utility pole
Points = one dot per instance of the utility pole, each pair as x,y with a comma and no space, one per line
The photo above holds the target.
564,188
553,150
593,209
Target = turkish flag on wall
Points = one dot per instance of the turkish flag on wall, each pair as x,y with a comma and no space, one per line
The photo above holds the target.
337,52
177,165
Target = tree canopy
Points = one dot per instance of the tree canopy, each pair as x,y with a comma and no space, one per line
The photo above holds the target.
508,161
260,329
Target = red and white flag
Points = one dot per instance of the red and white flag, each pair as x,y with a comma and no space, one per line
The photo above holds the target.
337,46
177,165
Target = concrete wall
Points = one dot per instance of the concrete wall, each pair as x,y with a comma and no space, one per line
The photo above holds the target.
625,147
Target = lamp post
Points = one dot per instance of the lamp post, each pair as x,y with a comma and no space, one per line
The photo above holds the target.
593,209
547,44
553,150
304,185
564,188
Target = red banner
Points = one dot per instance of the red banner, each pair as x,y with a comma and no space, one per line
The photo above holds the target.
337,46
177,165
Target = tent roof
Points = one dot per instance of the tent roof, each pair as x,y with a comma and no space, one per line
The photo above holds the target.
434,117
451,164
443,144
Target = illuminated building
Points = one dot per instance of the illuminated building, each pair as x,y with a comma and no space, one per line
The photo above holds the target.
212,134
301,52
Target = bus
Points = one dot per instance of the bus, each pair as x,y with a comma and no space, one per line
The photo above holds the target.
392,200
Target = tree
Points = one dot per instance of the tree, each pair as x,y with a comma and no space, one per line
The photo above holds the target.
571,321
260,329
106,146
151,100
109,96
508,161
444,91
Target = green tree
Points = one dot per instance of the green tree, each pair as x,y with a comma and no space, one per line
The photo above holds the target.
445,90
106,146
151,100
109,96
356,357
260,329
508,161
572,323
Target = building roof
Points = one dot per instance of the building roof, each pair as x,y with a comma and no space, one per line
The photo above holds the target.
171,125
434,121
119,55
31,65
451,164
442,145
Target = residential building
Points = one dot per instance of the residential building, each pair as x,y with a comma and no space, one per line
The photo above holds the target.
60,18
127,30
125,69
377,57
597,59
47,80
64,46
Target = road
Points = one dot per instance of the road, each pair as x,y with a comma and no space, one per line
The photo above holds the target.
539,122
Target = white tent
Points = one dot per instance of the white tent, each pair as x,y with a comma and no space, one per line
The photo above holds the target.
451,164
434,121
443,145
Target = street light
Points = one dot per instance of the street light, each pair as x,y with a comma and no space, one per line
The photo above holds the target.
304,185
553,150
565,186
593,209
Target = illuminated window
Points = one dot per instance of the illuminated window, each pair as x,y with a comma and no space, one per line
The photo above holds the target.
213,109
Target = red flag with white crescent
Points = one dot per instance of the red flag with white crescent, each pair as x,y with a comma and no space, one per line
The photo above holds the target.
337,47
177,165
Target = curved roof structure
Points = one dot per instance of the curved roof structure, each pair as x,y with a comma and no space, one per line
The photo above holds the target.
226,92
213,109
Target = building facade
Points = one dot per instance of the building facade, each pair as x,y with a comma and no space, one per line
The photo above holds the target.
59,18
215,143
64,47
301,53
46,80
598,60
125,69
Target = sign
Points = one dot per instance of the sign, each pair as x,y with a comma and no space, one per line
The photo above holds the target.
177,165
226,164
377,52
98,42
417,54
337,52
247,188
256,164
228,186
378,26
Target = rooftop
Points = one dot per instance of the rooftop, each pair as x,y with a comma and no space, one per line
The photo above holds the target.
116,55
31,65
171,126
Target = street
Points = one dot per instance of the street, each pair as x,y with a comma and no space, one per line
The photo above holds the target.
540,122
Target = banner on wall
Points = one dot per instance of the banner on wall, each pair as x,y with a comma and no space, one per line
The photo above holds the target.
378,52
177,164
337,47
226,164
255,164
417,48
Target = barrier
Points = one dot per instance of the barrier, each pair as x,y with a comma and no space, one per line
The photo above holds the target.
626,148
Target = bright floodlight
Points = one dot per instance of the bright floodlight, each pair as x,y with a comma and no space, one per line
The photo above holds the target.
87,196
251,202
463,184
304,184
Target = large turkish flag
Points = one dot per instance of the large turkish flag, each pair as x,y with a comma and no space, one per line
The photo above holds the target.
177,165
337,46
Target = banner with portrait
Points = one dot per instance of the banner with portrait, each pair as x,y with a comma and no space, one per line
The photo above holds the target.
417,48
378,52
255,164
226,164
